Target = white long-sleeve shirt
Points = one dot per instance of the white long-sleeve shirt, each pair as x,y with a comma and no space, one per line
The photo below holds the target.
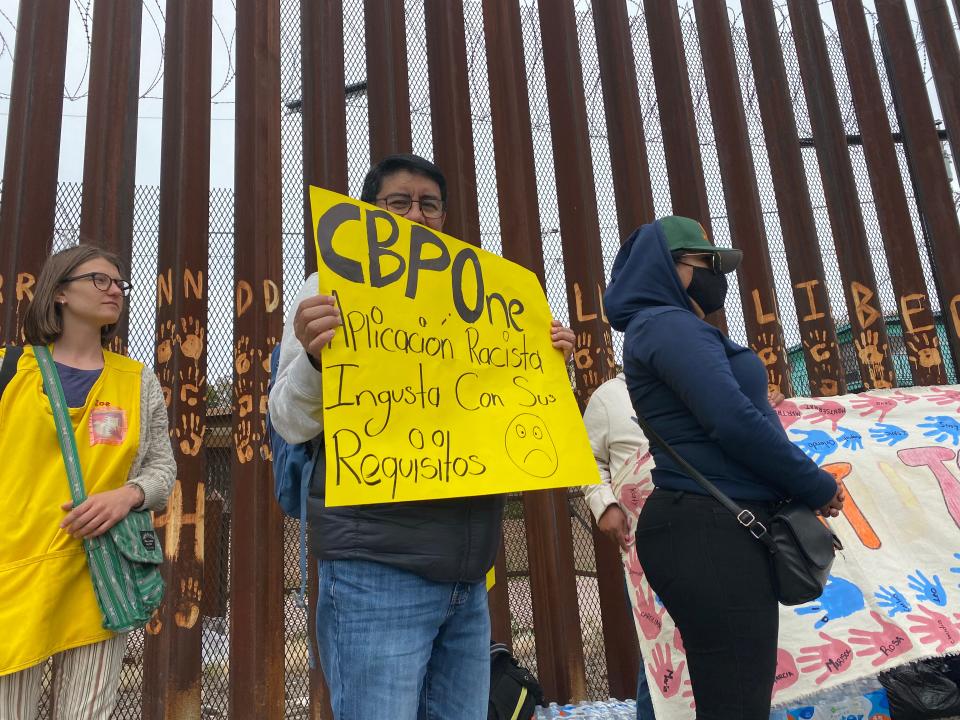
614,437
296,399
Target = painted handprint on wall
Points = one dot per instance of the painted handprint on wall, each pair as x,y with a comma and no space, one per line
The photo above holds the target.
889,435
827,411
892,600
833,657
935,628
887,642
925,353
850,439
841,598
928,590
943,428
816,444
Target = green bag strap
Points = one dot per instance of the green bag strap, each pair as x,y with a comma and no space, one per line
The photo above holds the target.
61,416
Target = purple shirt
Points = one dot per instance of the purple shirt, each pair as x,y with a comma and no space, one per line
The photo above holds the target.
76,383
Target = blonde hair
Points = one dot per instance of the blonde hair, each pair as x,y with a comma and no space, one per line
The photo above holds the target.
43,323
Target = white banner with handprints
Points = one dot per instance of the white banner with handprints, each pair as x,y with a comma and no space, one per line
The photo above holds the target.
893,595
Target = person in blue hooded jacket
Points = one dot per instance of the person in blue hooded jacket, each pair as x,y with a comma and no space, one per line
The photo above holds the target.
707,397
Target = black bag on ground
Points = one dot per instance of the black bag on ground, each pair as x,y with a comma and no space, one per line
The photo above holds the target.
923,690
514,691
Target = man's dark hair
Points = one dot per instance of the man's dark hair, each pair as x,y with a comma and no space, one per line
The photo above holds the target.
394,163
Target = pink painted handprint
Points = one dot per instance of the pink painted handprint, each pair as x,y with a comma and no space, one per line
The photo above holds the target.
904,397
887,642
634,494
870,404
788,412
787,673
944,397
834,657
687,693
648,617
934,627
642,462
678,641
667,679
634,570
827,411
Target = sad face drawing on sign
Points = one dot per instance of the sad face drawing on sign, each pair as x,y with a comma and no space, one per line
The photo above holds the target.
530,446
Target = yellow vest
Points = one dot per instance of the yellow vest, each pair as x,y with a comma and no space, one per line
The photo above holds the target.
47,603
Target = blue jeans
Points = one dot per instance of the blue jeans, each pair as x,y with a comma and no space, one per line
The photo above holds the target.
393,644
644,703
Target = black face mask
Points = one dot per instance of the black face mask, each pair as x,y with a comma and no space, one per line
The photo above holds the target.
707,289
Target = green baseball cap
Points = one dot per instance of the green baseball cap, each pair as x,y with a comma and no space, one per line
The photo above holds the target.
685,234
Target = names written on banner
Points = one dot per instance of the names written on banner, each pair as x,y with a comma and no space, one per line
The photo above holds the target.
442,381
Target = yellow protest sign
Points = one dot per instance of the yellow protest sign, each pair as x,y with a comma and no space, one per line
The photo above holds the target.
442,381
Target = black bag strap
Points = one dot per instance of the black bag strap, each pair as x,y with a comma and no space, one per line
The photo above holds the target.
746,518
8,367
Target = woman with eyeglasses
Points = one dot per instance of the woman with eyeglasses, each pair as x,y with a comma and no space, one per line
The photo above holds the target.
47,602
707,397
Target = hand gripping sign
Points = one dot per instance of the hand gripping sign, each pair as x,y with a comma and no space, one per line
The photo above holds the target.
442,381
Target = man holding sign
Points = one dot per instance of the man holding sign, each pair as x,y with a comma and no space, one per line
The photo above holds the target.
402,619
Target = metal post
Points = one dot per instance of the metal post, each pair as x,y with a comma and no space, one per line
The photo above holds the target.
744,210
926,159
577,200
388,87
893,214
110,152
867,324
621,104
32,157
817,328
451,118
941,44
324,122
678,121
172,667
323,112
556,623
256,557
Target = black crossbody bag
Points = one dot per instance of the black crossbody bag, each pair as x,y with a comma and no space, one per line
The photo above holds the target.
802,547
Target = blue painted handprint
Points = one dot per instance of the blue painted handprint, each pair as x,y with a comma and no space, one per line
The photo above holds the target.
841,598
926,590
850,439
889,434
942,428
816,443
893,600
